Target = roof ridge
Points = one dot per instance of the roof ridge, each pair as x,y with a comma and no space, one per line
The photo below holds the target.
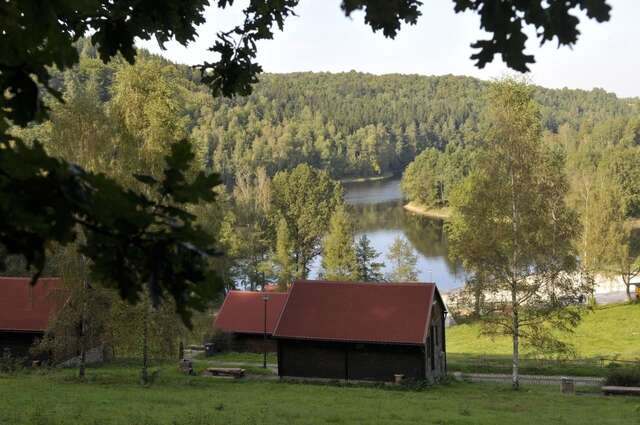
338,282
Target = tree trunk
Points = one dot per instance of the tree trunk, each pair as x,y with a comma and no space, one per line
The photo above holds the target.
83,322
627,284
83,332
515,377
144,376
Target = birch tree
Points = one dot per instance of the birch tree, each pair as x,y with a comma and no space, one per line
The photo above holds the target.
510,222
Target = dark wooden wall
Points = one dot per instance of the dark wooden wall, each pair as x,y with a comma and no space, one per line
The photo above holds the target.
252,343
18,343
350,361
436,359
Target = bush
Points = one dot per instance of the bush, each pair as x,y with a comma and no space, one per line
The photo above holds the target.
9,363
623,377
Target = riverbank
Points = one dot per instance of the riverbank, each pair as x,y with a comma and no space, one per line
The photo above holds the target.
385,176
445,213
437,213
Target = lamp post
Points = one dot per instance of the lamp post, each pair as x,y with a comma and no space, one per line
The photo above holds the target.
265,298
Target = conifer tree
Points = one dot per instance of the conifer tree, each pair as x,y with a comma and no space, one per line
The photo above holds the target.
366,255
339,260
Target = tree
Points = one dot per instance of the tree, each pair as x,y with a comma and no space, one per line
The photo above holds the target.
305,198
252,227
282,258
79,325
422,181
625,257
339,260
368,269
619,253
510,222
403,261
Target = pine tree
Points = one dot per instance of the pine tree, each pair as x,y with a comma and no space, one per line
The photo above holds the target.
339,260
403,260
368,269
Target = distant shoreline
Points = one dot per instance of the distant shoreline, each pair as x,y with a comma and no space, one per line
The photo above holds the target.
437,213
367,179
445,213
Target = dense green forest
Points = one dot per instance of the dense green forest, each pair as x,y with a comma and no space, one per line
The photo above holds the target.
350,124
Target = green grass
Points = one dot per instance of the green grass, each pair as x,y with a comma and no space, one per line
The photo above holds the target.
111,395
609,332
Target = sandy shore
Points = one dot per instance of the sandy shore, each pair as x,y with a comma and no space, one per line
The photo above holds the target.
437,213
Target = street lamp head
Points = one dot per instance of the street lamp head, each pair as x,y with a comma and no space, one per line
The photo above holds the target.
265,297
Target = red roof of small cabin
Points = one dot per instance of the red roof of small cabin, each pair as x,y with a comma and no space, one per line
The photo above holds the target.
358,312
243,311
24,307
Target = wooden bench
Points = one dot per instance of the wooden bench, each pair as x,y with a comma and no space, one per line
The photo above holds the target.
613,390
228,372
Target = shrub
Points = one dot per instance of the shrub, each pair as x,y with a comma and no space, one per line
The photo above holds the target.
623,377
9,363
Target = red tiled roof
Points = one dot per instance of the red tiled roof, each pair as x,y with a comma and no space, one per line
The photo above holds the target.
272,288
24,307
360,312
243,311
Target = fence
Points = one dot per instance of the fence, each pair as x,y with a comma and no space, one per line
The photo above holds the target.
597,366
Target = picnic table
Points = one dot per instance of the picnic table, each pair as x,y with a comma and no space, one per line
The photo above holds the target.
616,390
228,372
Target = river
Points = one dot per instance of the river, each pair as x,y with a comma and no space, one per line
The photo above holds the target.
376,208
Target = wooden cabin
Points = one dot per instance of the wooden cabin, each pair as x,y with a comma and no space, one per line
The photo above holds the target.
25,311
245,317
362,331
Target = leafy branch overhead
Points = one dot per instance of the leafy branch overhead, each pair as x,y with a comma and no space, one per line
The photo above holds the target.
506,21
136,242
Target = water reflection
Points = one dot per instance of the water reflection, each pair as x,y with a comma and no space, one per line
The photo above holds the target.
377,211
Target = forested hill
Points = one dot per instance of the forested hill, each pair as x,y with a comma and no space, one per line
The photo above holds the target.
356,124
351,124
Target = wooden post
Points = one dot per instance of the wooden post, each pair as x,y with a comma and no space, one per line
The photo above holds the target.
568,386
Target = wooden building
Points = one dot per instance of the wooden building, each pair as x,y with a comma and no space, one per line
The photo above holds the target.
245,316
25,312
362,331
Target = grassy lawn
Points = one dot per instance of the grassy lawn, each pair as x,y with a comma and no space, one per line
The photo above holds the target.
112,396
610,332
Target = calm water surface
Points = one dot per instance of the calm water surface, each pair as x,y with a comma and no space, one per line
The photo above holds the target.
377,211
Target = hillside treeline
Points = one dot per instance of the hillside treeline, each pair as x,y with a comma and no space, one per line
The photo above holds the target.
349,124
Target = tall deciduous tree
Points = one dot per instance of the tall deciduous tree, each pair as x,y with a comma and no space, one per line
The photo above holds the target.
403,260
369,269
306,198
252,195
339,260
619,253
423,180
510,221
